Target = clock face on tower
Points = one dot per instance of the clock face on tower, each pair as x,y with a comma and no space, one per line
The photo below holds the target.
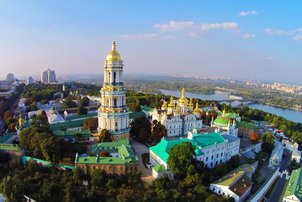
113,114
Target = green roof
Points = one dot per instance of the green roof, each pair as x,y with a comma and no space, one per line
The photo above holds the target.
159,168
133,115
199,141
6,137
10,147
222,120
147,109
231,115
234,175
66,125
26,159
81,117
294,186
108,146
73,133
245,124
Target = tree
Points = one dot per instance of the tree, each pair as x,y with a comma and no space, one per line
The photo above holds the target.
52,149
141,129
91,124
98,178
69,103
81,110
12,188
268,142
84,102
158,131
182,159
105,136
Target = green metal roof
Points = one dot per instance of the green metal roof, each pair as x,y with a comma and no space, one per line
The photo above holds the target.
245,124
10,147
66,125
6,136
108,146
234,175
231,115
75,133
147,109
26,159
133,115
199,141
84,116
159,168
220,120
294,186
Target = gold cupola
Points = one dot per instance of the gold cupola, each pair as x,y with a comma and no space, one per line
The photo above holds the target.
113,55
190,105
164,106
183,98
171,104
197,110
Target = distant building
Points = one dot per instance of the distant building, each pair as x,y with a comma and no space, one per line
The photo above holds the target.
10,78
210,148
120,161
30,80
48,76
293,192
236,184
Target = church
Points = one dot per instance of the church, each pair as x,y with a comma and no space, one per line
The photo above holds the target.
113,114
179,117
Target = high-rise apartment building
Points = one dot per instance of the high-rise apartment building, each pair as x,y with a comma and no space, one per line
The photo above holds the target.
48,76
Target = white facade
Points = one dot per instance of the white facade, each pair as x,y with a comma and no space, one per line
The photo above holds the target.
48,76
113,113
178,116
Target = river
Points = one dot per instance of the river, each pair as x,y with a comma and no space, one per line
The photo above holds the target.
292,115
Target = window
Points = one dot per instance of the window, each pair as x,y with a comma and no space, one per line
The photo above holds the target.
115,102
114,77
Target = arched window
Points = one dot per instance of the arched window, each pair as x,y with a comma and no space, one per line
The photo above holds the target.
115,102
108,77
114,77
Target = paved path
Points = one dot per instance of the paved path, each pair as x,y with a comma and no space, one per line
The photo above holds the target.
139,150
278,190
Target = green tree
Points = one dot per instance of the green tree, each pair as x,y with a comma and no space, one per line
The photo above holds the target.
158,131
268,142
84,102
12,188
52,149
182,160
98,178
141,129
91,124
105,136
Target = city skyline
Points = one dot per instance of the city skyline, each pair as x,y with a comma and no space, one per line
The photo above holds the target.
251,40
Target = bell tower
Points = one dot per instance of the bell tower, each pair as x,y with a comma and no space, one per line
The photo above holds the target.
113,113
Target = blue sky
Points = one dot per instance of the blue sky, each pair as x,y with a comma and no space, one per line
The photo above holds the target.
238,39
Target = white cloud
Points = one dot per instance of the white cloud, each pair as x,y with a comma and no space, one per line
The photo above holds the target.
298,37
295,33
225,25
248,36
246,13
174,26
146,36
193,27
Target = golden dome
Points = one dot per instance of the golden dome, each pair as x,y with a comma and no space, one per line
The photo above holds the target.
183,98
177,109
197,110
113,54
164,106
171,104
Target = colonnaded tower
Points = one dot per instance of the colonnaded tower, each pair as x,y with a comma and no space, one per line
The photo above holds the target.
113,113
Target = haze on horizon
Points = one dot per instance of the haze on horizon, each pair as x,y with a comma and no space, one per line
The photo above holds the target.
238,39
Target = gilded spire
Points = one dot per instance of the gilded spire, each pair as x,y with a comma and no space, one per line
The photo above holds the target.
183,92
113,54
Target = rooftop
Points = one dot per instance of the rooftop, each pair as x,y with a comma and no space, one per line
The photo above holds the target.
199,141
159,168
108,145
6,137
81,117
73,133
245,124
233,176
294,186
10,147
133,115
66,125
147,109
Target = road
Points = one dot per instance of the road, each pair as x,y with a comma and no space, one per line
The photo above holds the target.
139,150
277,193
